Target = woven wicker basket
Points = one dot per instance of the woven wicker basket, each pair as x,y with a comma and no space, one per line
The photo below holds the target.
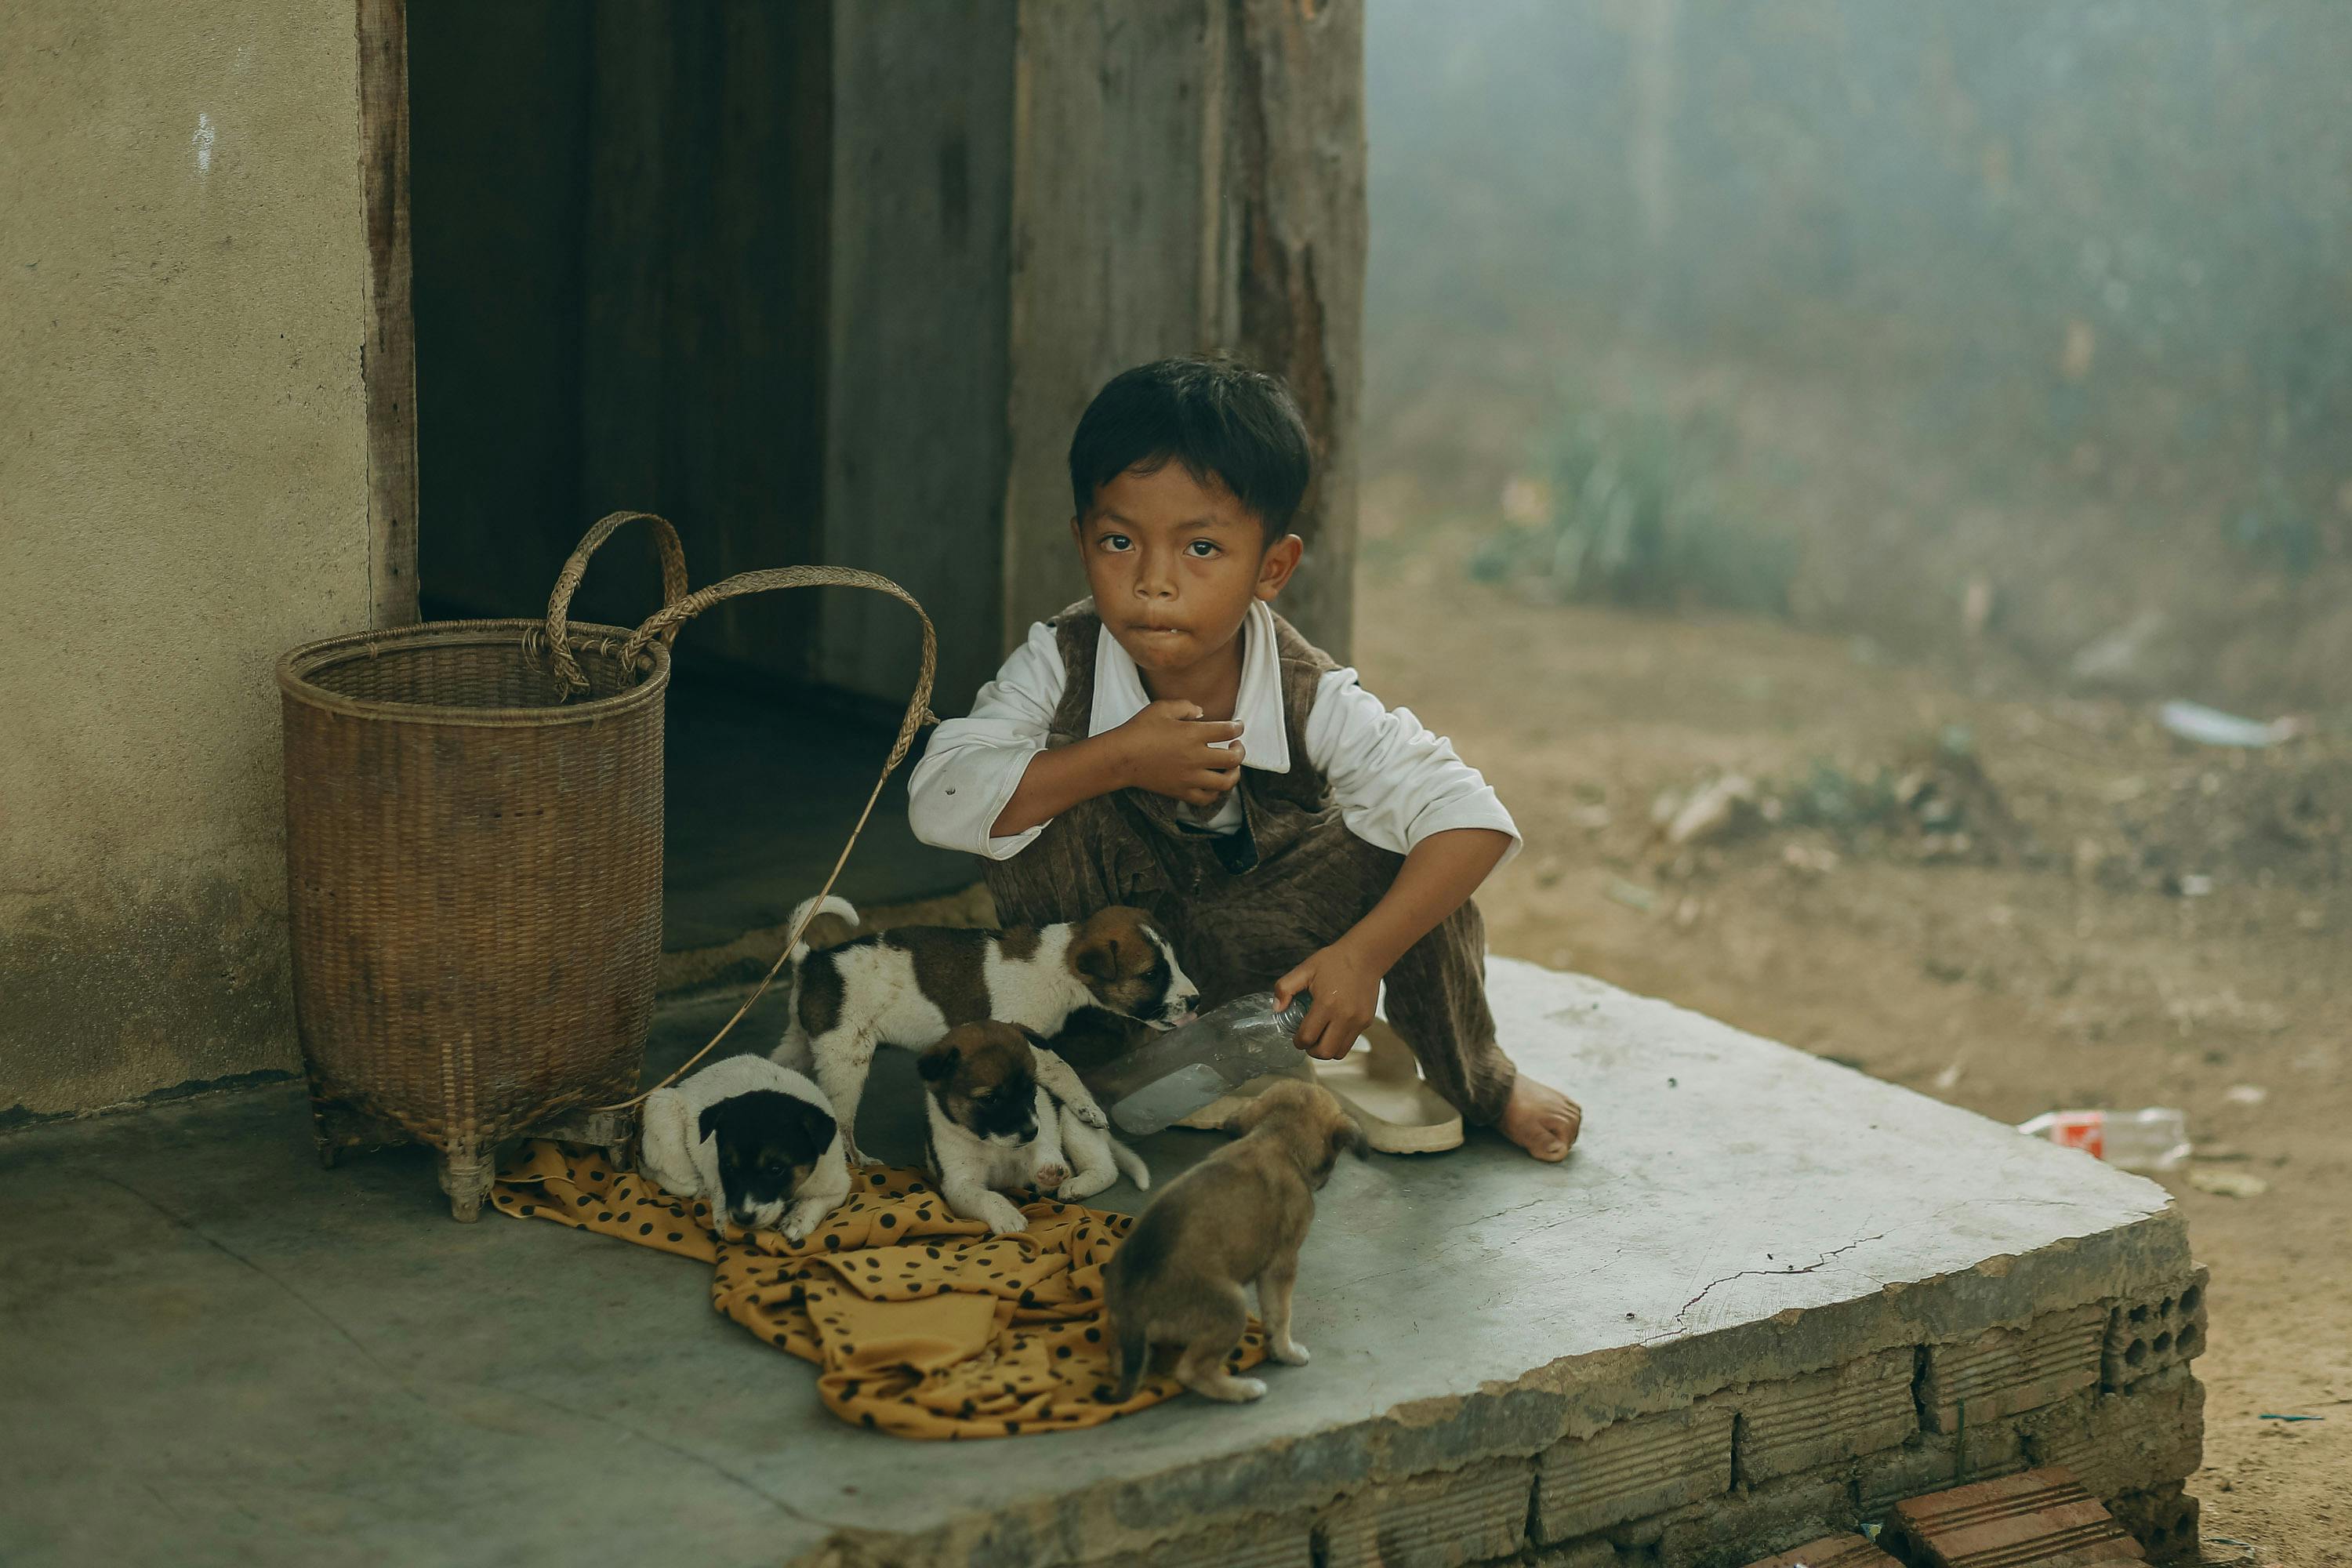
474,867
474,864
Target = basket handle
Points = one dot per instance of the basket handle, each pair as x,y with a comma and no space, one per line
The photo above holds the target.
665,623
567,581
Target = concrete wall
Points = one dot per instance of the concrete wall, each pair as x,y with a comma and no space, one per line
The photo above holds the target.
183,493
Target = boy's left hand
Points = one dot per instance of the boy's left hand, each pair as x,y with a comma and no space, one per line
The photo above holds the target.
1346,989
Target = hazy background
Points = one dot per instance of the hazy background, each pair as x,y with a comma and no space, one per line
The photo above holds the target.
1807,442
2005,330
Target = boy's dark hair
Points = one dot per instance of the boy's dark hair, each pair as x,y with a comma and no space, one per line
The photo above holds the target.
1221,420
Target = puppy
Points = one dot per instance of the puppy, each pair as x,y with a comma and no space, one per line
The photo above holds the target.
991,1125
909,986
753,1138
1239,1216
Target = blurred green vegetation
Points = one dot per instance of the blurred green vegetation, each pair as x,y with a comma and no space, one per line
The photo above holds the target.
1627,509
2028,318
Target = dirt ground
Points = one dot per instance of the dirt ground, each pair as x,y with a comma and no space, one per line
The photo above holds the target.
2014,902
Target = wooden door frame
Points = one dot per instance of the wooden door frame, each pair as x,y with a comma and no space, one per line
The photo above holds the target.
388,354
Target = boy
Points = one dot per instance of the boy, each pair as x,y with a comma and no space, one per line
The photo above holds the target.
1174,745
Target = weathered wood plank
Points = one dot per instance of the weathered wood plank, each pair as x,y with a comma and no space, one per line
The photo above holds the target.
388,362
1188,176
1293,173
1114,105
914,478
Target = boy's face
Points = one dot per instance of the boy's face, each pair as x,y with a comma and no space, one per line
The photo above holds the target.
1175,564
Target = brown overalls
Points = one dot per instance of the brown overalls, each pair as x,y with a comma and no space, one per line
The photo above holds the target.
1245,909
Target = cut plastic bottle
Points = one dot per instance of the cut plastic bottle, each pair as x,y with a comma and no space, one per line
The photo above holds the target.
1174,1073
2155,1138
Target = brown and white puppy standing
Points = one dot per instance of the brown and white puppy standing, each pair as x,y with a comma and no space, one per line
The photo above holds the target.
1239,1217
910,986
990,1127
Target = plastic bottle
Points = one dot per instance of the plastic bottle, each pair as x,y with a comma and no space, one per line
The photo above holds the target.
2152,1139
1172,1074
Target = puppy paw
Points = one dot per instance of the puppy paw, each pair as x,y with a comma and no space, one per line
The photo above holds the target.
1289,1352
1090,1113
1002,1218
1237,1390
1051,1176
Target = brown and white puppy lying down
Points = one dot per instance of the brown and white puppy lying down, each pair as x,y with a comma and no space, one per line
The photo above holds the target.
1237,1216
910,986
990,1126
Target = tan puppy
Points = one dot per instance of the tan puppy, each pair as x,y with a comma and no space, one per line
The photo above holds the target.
1238,1216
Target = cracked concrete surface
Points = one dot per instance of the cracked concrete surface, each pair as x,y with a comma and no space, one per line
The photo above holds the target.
1816,1263
217,1352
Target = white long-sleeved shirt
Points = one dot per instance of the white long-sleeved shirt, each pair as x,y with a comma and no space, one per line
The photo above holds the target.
1394,782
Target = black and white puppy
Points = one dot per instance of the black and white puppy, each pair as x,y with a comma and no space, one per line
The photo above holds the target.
909,986
755,1140
990,1126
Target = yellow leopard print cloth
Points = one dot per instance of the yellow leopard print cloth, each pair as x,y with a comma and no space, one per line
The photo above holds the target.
920,1324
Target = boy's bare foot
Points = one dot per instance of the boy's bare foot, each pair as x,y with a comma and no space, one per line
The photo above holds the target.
1540,1120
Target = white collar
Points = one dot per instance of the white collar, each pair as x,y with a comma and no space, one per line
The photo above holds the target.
1265,742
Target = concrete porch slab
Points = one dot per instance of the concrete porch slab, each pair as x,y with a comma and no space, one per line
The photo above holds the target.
215,1351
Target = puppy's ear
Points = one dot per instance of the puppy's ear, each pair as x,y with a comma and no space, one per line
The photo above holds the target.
1098,959
1338,1137
1036,1041
938,1062
808,1131
1347,1137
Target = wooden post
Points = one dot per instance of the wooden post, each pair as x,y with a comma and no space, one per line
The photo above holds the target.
1112,105
1188,176
1293,177
388,354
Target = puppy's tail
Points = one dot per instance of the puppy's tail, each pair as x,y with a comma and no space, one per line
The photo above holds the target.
1130,1162
792,1051
814,909
1133,1349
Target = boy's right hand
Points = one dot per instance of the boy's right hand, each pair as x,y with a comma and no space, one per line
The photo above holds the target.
1168,748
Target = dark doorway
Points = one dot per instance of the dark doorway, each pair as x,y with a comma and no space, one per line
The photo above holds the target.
619,215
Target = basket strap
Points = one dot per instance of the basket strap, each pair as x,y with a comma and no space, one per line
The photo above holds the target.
665,623
567,581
